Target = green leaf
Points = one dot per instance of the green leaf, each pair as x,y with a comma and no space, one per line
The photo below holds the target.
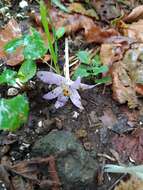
60,32
98,70
34,46
96,61
8,77
104,80
80,72
27,71
84,57
13,112
11,46
60,5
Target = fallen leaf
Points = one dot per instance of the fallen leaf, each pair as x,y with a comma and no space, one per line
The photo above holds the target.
134,31
76,22
12,30
106,9
131,184
135,15
122,86
130,146
25,174
79,8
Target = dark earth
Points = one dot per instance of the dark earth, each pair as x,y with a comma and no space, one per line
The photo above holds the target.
81,142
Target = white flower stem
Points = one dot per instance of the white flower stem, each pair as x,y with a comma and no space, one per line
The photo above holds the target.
66,66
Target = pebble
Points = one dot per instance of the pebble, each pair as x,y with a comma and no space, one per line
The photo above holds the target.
12,92
75,115
23,4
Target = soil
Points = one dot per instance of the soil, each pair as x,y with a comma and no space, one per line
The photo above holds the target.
88,126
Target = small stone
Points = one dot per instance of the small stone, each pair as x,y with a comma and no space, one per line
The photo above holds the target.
75,167
75,115
23,4
40,124
12,92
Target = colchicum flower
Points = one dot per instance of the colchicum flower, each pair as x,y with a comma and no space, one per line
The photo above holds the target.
65,90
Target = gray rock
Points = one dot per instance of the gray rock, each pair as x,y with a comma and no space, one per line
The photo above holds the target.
75,167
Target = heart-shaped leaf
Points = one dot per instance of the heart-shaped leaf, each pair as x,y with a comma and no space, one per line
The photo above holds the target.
27,71
8,77
13,112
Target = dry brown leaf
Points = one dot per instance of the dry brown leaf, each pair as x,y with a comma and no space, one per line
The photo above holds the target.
77,22
122,86
107,9
134,31
130,146
12,30
79,8
135,15
131,184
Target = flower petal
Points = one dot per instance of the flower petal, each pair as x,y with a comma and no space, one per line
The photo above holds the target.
61,101
50,77
75,98
76,83
53,94
86,86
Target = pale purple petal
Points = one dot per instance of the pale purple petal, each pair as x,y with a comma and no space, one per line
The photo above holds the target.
76,84
53,94
86,86
51,78
75,98
61,101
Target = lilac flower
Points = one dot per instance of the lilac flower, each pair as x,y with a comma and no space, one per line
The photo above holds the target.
66,89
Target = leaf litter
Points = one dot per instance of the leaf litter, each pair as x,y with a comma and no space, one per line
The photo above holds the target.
121,50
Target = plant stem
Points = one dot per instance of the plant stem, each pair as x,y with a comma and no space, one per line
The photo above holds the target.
66,66
43,13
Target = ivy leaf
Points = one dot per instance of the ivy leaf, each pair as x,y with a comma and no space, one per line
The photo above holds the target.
84,57
8,77
34,46
11,46
97,70
80,72
104,80
96,61
13,112
27,71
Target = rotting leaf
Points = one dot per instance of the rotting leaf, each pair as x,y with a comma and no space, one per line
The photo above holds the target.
131,184
12,30
13,112
76,22
134,31
130,146
79,8
135,15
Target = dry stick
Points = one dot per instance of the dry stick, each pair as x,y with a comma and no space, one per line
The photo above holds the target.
53,173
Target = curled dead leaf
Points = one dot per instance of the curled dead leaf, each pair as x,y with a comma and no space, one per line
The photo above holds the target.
122,86
135,15
134,31
12,30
